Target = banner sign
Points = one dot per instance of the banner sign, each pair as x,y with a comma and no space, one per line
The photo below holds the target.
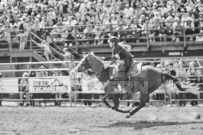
9,85
92,85
50,85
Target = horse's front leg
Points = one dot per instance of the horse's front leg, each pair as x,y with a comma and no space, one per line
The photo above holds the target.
105,102
116,104
107,92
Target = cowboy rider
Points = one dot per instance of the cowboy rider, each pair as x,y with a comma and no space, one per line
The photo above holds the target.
122,52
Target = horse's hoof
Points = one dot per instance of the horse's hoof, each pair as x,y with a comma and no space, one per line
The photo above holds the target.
128,116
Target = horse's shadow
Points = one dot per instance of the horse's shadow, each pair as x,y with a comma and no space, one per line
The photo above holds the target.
148,124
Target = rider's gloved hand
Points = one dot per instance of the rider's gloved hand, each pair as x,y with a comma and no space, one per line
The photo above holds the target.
116,56
106,66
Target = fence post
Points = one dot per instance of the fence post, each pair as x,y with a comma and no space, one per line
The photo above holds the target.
76,40
147,36
10,42
185,45
30,34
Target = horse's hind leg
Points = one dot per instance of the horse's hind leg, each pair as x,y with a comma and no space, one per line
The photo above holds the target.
143,99
116,101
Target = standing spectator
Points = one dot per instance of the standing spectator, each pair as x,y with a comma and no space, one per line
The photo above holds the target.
128,11
36,27
23,29
47,49
68,57
24,88
178,32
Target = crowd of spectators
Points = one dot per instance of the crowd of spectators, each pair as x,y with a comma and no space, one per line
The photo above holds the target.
92,20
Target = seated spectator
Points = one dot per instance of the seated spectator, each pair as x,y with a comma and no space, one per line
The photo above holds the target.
89,35
191,70
162,33
169,31
178,32
129,34
70,38
98,34
36,27
200,36
136,32
189,31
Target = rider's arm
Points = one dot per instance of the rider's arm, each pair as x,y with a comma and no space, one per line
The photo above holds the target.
198,62
109,65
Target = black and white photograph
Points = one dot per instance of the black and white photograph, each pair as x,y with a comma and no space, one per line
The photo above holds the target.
101,67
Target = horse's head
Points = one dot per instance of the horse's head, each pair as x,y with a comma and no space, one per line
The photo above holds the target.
84,64
90,61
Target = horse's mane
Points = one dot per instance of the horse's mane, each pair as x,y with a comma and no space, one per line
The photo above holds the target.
98,67
97,64
98,58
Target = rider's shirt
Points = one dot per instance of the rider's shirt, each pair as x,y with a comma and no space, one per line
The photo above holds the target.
122,52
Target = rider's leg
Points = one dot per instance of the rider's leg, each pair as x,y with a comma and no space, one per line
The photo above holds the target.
116,101
128,63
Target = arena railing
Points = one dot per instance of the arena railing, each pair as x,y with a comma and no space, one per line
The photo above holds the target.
136,37
141,38
71,93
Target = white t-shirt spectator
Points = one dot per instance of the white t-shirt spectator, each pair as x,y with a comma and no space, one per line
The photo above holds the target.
73,22
108,10
128,12
52,14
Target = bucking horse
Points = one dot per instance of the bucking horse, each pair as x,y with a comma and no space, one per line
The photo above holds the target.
147,80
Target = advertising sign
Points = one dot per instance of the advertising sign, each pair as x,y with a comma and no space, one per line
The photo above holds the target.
9,85
50,85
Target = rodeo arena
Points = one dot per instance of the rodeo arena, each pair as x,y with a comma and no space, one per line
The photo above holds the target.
101,67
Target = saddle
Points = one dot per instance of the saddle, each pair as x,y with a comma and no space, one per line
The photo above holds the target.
135,69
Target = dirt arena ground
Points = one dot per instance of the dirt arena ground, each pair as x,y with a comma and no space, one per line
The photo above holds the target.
100,121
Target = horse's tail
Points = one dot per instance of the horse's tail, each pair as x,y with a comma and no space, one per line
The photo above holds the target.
167,77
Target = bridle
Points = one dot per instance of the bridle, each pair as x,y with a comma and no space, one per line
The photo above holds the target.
85,76
90,62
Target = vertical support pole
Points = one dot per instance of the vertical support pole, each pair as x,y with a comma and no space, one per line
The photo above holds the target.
198,98
76,40
10,42
30,34
184,38
148,47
